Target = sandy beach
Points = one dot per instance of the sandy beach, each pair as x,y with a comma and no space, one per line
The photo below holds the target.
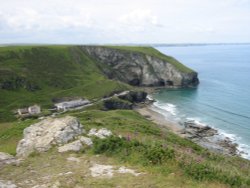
159,119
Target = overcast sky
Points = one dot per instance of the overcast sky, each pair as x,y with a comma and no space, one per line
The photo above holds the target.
124,21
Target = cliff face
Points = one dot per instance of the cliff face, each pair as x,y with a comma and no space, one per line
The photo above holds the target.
140,69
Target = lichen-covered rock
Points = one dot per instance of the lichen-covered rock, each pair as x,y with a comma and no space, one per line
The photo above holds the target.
42,136
101,133
73,146
6,158
85,140
7,184
142,69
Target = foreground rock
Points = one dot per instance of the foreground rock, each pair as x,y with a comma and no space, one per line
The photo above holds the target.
7,184
107,171
77,145
6,159
73,146
141,69
42,136
101,133
209,138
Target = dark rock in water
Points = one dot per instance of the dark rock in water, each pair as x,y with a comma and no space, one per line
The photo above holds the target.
134,96
208,137
114,103
197,130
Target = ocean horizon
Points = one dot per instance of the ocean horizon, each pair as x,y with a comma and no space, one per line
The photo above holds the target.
222,98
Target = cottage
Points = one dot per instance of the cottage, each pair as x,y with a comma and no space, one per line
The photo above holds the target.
34,110
71,104
31,110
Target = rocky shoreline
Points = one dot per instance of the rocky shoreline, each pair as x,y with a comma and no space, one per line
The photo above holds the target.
209,138
203,135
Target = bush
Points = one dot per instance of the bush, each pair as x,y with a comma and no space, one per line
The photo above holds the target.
205,172
113,144
148,154
200,171
157,154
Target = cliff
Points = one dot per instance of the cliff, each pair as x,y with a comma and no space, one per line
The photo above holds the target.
142,66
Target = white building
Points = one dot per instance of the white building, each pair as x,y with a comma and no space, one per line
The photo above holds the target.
35,109
31,110
71,104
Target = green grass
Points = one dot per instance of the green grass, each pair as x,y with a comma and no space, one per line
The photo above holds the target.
11,134
145,146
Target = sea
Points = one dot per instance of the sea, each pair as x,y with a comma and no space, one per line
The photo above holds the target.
222,99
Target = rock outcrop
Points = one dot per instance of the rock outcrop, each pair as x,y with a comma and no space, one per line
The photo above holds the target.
73,146
6,158
116,103
142,69
7,184
209,138
134,96
101,133
42,136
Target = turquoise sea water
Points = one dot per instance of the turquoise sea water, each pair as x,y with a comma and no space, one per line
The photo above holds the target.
222,99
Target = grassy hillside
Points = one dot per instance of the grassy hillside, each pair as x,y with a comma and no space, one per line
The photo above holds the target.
165,159
38,74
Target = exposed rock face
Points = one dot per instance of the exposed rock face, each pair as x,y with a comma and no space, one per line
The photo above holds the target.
43,135
101,133
7,184
107,171
73,146
6,158
85,140
113,104
140,69
209,138
134,96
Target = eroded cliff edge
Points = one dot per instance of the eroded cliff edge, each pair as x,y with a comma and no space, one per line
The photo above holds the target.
142,66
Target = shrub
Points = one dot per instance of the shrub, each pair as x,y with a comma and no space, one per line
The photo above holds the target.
200,171
148,154
157,154
205,172
113,144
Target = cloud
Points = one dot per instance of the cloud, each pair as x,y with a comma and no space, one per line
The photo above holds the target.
27,19
139,20
128,21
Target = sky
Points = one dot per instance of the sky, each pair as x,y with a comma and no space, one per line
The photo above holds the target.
124,21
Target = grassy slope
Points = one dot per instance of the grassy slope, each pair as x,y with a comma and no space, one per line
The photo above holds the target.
185,170
57,70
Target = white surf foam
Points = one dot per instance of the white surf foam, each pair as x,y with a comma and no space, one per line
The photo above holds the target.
168,107
170,110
